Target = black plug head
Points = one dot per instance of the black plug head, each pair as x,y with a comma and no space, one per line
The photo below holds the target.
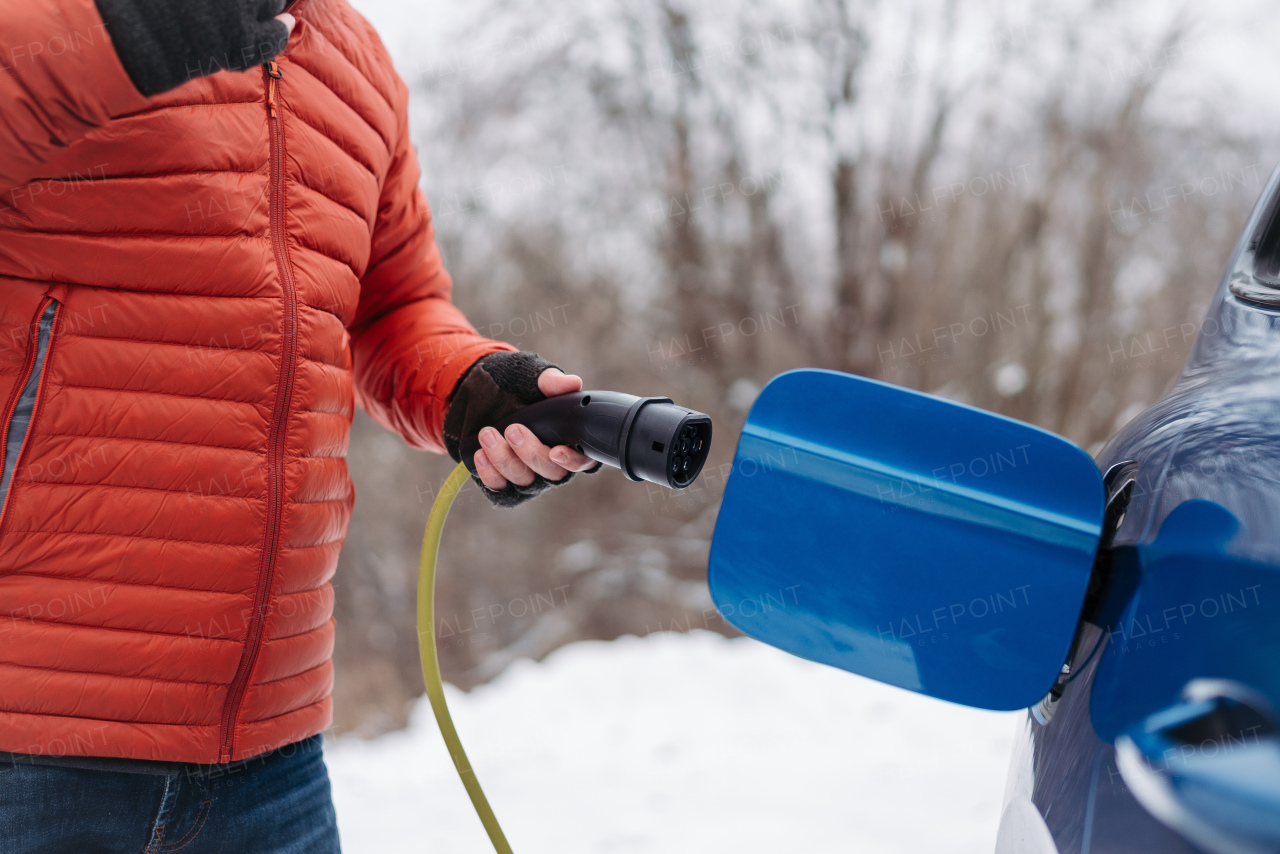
665,443
649,438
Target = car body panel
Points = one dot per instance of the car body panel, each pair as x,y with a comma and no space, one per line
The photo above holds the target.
1201,523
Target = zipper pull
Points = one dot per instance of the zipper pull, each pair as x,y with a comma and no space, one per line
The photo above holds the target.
273,74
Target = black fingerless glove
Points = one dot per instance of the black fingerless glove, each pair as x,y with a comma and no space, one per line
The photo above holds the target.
164,43
492,389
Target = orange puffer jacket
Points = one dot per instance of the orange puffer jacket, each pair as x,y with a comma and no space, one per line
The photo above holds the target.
211,266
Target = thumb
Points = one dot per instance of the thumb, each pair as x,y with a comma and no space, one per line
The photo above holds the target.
554,381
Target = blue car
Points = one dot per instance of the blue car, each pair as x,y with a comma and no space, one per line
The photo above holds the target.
1131,604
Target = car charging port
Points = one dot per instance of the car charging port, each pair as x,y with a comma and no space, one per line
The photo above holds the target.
1119,482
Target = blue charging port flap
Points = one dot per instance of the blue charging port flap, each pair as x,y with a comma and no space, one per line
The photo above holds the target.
907,538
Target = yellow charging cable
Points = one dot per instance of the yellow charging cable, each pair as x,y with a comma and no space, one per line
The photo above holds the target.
431,660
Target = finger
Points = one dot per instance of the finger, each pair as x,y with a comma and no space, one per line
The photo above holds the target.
488,475
569,459
289,22
535,455
554,381
504,459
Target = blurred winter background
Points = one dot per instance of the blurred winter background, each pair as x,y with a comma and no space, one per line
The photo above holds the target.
1020,205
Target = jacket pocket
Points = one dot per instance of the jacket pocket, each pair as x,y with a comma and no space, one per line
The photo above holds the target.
22,409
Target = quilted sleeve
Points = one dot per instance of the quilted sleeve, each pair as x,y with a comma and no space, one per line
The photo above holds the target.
59,79
409,343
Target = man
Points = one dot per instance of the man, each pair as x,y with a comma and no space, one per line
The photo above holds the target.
212,245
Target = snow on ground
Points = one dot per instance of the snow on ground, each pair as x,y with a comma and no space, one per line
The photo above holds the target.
682,743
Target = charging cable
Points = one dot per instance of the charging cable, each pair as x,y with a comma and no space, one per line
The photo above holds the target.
431,659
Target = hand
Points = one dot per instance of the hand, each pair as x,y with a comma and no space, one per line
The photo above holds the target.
163,44
517,455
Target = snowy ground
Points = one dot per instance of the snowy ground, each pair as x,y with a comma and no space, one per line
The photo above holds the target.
683,743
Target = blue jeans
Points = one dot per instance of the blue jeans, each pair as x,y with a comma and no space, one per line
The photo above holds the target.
278,803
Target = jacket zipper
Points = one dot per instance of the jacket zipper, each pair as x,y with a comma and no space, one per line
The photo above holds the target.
37,358
279,424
